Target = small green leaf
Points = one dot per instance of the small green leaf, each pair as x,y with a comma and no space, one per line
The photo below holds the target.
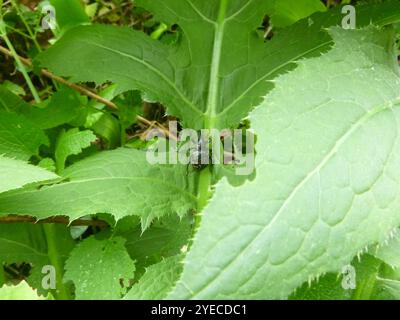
100,269
48,164
158,280
71,142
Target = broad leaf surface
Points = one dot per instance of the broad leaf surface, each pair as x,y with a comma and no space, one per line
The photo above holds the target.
119,182
208,77
327,182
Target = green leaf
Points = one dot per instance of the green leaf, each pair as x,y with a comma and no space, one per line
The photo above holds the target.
208,77
48,164
327,172
109,128
287,12
165,238
368,284
158,280
22,291
119,182
14,88
19,137
328,287
71,142
61,108
389,252
100,269
69,14
10,101
15,174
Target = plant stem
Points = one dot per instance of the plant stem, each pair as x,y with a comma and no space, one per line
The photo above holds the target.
55,259
203,193
365,288
367,284
27,27
212,102
20,65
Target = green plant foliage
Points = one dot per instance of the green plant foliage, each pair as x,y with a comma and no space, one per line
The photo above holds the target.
89,265
69,14
26,243
305,204
71,142
15,174
287,12
83,107
213,81
120,182
22,291
157,281
19,137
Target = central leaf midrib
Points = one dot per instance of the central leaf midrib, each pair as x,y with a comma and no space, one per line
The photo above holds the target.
169,185
214,82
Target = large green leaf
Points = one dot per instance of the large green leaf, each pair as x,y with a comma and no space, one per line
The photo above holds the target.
15,174
119,182
327,183
208,77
